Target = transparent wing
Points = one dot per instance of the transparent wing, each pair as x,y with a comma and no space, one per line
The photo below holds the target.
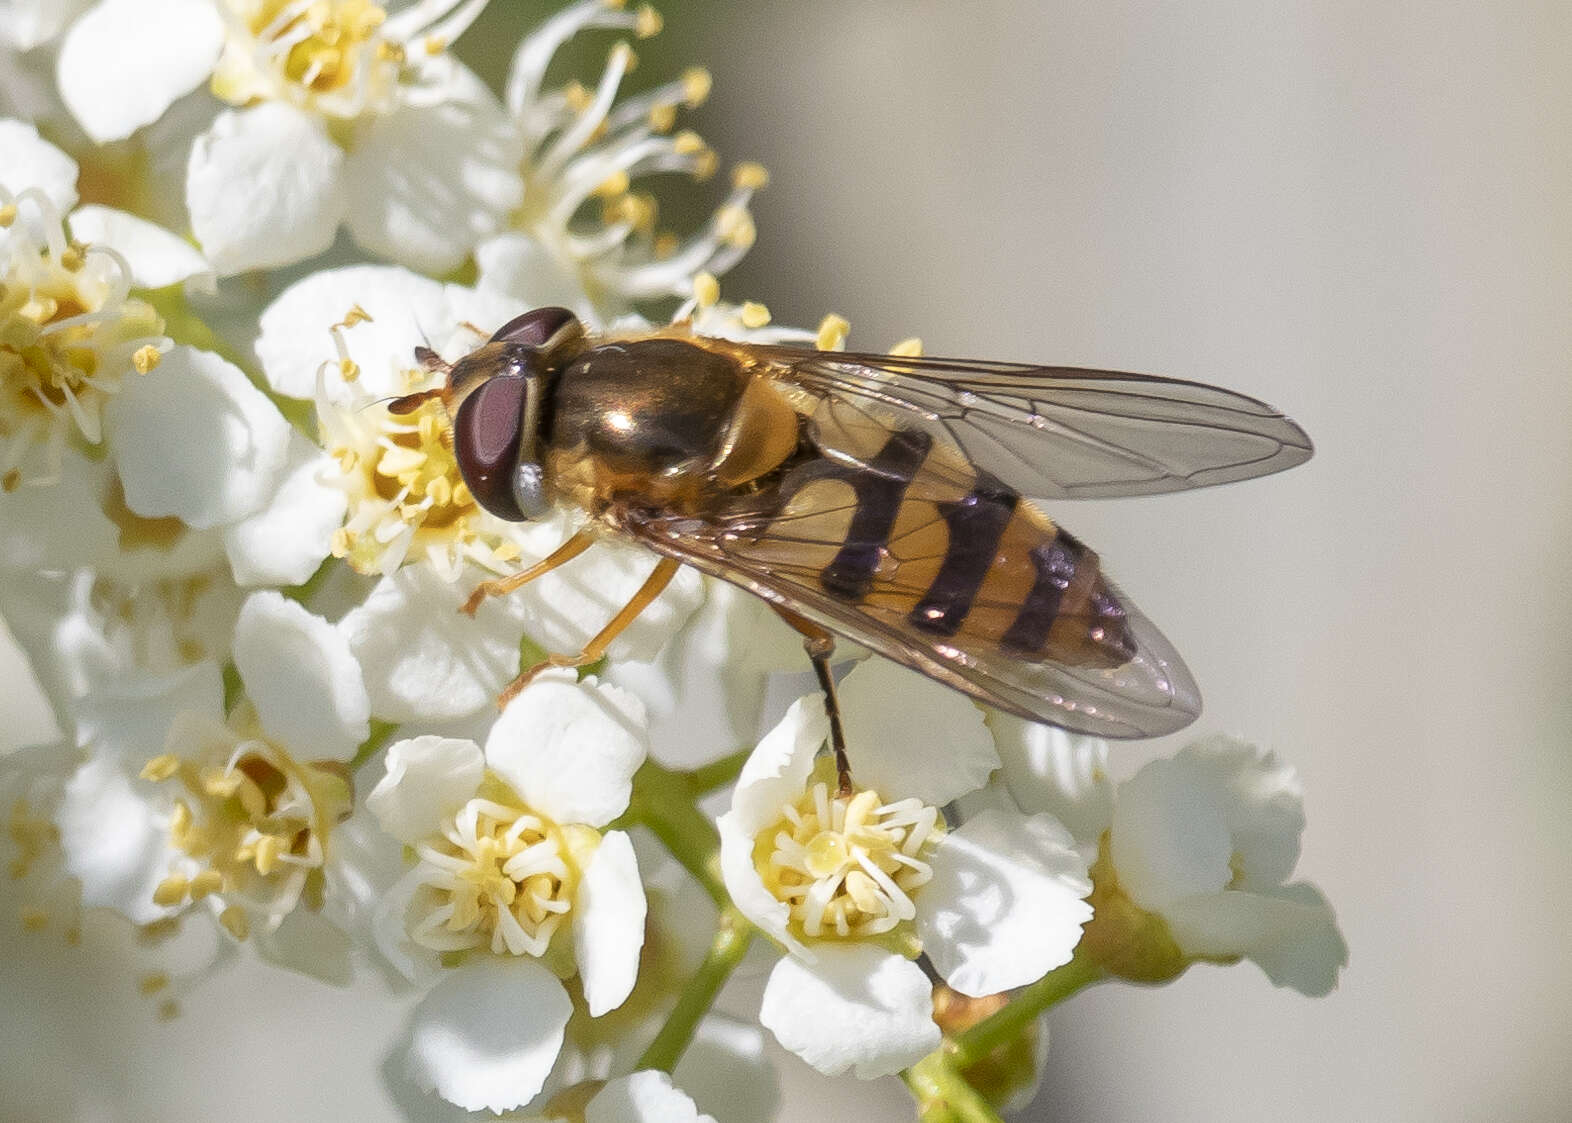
1059,432
781,559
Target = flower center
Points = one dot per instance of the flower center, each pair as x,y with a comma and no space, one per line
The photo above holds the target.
404,486
407,499
302,50
320,43
499,877
847,865
69,333
253,827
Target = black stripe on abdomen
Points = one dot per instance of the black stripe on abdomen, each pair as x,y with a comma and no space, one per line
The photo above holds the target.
976,524
1055,562
880,486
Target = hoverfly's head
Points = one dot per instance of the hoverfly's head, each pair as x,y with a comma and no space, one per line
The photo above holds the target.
498,397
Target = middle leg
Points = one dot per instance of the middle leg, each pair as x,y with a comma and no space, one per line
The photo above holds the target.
653,586
819,643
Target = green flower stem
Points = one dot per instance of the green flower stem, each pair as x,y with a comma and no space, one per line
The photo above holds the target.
663,800
718,773
1002,1026
943,1095
381,733
732,938
307,589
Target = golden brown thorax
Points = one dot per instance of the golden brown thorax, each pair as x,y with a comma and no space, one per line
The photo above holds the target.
664,422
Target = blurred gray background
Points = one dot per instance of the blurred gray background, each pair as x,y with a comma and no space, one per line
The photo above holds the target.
1360,213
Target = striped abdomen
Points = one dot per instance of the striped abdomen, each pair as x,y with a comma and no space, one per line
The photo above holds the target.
907,530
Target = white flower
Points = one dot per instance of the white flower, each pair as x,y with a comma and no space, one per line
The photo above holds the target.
177,804
1204,842
81,630
587,235
344,113
853,885
513,865
84,363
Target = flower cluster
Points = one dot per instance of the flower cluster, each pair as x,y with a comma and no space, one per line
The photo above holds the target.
235,542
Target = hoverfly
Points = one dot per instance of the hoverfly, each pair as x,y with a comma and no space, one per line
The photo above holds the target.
881,498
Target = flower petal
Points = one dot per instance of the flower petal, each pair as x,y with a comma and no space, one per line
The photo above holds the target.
1263,805
301,675
427,181
423,659
747,889
27,160
157,257
570,748
288,539
34,537
295,339
265,188
519,266
1290,931
726,1071
1006,903
427,779
913,736
309,943
608,924
776,772
488,1033
1050,769
114,841
643,1097
32,23
1169,838
128,718
126,61
231,447
856,1007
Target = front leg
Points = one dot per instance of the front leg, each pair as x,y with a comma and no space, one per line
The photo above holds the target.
501,587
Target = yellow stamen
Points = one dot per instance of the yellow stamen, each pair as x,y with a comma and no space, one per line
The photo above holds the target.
161,767
696,86
235,922
145,358
171,891
647,22
706,289
750,175
832,333
754,315
206,883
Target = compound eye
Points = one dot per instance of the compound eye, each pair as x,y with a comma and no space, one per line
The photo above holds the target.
486,437
535,327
